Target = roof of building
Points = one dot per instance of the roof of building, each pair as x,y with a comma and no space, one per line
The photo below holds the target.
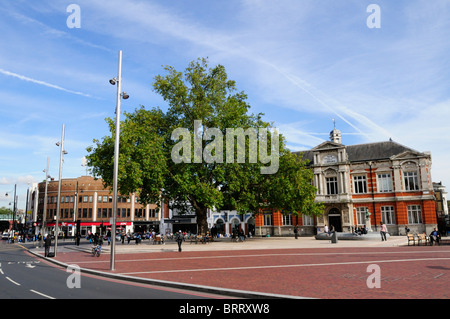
366,152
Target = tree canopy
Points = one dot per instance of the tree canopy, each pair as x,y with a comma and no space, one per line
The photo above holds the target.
205,152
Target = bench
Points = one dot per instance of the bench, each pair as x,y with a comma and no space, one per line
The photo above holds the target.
422,238
158,240
207,239
194,239
412,238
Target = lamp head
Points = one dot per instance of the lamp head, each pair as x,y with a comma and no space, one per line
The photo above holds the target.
113,81
125,96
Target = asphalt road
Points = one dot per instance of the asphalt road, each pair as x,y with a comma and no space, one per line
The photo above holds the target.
23,276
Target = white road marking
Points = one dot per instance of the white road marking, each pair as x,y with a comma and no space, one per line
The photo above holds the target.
266,255
285,266
16,283
41,294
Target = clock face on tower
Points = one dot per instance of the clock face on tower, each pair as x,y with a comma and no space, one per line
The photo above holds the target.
329,159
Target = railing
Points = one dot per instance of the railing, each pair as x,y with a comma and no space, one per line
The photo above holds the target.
6,217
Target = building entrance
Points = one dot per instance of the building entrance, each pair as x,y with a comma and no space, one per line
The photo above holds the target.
335,219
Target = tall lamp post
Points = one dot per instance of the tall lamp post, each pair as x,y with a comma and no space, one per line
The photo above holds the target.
44,214
14,209
125,96
62,152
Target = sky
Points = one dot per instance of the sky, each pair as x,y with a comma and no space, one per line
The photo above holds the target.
379,73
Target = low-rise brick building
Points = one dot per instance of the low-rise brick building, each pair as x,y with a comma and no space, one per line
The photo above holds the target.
86,201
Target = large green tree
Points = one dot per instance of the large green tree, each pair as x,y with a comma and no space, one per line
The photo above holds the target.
205,152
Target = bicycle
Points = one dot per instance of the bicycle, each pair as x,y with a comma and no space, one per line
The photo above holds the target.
96,250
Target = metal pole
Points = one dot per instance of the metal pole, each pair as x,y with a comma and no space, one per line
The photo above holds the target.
59,189
14,211
116,163
44,214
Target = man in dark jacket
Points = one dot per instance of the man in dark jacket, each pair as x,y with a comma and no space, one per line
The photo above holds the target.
47,244
435,236
179,238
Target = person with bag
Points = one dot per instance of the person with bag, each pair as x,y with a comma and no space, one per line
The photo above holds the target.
383,231
47,244
179,238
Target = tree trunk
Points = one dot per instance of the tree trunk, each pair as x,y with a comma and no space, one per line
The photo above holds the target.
202,221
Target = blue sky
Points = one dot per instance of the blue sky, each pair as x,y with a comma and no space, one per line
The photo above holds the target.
301,62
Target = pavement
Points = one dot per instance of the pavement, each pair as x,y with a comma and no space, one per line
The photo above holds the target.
275,267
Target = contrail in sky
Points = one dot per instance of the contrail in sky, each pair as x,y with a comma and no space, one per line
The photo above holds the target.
53,86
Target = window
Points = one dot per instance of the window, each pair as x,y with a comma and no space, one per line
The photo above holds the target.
384,183
411,181
331,185
85,199
287,219
84,212
359,184
414,214
308,220
267,219
387,215
105,199
90,199
361,215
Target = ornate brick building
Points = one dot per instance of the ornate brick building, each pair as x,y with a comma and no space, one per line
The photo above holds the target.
385,181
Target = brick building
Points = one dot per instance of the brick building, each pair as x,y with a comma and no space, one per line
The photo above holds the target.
363,184
84,199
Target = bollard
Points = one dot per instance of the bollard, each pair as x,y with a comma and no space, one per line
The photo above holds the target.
334,239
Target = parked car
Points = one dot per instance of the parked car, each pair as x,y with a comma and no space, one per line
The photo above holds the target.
5,235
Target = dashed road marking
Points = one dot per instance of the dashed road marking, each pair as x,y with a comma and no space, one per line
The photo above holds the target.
16,283
41,294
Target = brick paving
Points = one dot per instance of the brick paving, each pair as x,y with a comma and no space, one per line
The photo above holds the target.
285,266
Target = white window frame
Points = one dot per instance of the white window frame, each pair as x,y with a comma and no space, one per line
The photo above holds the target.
307,220
361,215
287,219
388,215
411,179
414,214
267,219
384,183
332,185
359,181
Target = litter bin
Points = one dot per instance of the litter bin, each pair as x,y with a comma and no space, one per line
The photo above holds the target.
334,239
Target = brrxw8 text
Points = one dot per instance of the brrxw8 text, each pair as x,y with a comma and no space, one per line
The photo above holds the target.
245,308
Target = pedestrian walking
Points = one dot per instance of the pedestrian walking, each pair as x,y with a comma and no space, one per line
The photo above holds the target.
325,230
296,231
47,244
77,239
383,231
179,239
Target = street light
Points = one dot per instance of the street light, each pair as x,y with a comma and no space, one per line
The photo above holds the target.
14,209
44,214
125,96
62,153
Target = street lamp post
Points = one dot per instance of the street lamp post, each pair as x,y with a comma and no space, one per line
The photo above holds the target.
125,96
62,152
44,214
